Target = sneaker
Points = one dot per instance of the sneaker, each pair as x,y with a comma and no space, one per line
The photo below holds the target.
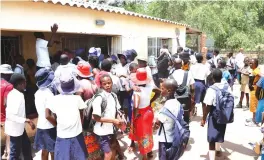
245,108
251,124
239,105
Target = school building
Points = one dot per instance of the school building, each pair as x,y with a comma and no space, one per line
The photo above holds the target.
83,25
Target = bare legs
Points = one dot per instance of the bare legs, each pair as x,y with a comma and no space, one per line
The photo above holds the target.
45,155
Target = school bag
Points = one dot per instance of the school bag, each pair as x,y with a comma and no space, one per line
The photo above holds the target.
224,109
181,135
88,121
183,95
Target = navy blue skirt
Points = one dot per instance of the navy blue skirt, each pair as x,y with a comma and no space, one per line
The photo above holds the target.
45,139
216,132
71,148
200,90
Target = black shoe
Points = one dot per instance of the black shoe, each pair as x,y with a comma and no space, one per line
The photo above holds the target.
239,105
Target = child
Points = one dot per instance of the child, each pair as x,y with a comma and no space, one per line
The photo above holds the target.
168,88
142,113
70,141
20,61
16,119
226,75
46,132
216,132
245,71
104,126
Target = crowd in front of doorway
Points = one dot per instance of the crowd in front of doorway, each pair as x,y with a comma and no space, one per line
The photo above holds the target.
85,100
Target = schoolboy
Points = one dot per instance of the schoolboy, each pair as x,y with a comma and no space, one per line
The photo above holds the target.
168,88
16,119
216,132
104,126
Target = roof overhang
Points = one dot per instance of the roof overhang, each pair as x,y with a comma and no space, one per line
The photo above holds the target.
190,30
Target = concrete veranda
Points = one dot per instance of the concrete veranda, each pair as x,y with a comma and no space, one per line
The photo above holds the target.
236,145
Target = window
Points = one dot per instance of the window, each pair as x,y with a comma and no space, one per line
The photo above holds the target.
155,44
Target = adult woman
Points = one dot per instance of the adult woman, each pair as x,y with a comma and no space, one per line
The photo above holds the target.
141,130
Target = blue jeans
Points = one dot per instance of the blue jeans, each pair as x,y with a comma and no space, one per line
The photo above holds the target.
18,144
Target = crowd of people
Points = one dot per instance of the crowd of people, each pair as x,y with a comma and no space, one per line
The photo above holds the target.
120,90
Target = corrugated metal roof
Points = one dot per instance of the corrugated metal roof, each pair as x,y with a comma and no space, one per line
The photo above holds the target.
106,8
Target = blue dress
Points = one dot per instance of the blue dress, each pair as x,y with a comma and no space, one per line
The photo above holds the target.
260,107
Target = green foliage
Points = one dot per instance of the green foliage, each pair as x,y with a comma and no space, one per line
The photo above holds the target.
232,24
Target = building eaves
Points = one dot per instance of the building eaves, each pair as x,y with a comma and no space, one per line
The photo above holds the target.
106,8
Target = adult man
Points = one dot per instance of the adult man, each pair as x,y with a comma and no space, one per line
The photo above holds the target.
64,66
163,62
239,61
6,87
42,45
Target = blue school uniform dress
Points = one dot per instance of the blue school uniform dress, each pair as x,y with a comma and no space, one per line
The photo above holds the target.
215,132
260,107
45,137
70,143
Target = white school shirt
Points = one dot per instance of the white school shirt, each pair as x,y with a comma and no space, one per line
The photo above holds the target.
67,109
179,74
144,95
65,68
42,52
239,60
210,96
41,99
110,112
116,82
15,114
173,105
216,58
199,71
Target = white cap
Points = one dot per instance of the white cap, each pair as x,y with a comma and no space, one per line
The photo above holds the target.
6,69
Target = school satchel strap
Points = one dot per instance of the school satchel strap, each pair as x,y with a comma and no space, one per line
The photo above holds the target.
164,132
185,77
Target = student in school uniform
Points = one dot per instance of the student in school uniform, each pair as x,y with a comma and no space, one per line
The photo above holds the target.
226,75
66,106
105,122
16,119
216,132
87,90
199,72
46,132
168,88
142,113
6,72
20,61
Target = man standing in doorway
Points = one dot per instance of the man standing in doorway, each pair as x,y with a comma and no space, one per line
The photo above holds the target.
42,45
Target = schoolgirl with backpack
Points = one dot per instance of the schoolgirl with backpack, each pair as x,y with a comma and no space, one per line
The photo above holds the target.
173,132
220,106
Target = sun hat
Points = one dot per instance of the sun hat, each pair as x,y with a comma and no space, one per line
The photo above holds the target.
122,54
84,69
114,57
141,77
44,77
141,58
6,69
67,84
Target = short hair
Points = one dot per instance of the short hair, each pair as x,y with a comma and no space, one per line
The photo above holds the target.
39,35
133,66
94,61
68,50
64,59
217,75
17,79
165,46
255,61
222,62
106,65
231,53
199,57
180,49
170,84
30,62
105,76
216,51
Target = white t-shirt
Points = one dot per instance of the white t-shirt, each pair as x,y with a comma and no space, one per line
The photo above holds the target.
173,105
179,74
199,71
41,99
116,82
42,52
145,96
216,58
15,113
66,108
239,60
110,112
210,96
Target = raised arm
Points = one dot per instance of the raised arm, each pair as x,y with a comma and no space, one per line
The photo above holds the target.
54,29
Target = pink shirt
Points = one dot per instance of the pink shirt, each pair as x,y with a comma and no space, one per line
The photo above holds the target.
88,88
5,89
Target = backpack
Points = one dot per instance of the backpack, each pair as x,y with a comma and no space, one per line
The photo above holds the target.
88,121
183,95
224,109
181,135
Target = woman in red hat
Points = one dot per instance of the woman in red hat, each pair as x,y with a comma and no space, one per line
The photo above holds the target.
141,130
